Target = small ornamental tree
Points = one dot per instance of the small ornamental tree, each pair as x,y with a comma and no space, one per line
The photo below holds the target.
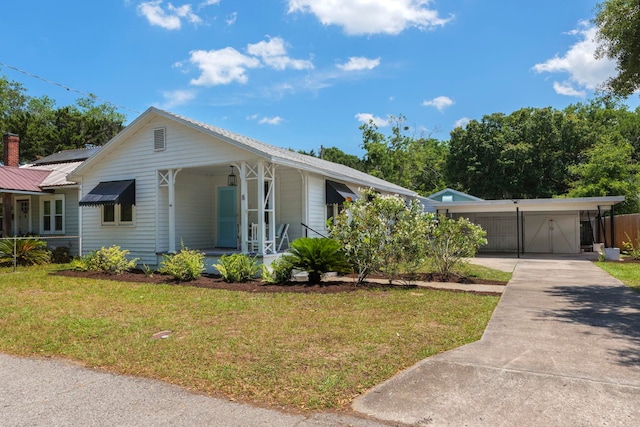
382,233
451,240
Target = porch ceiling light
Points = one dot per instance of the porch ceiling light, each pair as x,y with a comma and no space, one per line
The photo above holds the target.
232,180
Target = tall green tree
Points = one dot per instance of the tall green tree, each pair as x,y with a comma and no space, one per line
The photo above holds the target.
45,128
402,158
526,154
609,170
618,23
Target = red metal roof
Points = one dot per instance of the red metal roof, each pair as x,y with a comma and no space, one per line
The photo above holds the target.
19,179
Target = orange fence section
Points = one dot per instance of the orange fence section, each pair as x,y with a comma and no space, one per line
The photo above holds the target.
629,224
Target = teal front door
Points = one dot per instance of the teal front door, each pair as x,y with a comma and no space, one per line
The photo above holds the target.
227,217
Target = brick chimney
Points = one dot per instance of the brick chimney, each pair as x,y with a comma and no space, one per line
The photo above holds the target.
11,144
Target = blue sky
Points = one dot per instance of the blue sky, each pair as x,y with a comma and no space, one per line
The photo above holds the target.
305,73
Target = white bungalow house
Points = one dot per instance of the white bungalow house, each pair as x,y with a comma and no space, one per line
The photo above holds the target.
167,180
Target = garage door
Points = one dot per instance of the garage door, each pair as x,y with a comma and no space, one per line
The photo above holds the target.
501,233
556,234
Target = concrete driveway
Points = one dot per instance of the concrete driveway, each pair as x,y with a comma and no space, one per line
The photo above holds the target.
562,349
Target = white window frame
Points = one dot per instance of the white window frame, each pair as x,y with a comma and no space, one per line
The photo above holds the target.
117,217
52,214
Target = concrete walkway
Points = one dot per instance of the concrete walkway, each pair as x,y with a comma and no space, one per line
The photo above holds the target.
562,349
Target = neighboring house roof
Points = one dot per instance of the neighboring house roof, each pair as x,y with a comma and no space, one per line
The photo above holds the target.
273,154
45,173
459,195
58,173
21,179
68,156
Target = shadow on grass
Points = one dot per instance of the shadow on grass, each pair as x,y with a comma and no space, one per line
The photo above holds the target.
613,309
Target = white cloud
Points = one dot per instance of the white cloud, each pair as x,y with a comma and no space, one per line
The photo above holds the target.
222,66
357,63
171,18
274,54
461,122
231,19
440,102
177,97
371,16
270,120
209,3
276,120
566,88
585,71
367,117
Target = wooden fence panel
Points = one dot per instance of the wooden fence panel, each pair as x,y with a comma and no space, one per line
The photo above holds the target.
629,224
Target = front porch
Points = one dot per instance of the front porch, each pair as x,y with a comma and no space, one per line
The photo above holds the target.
235,207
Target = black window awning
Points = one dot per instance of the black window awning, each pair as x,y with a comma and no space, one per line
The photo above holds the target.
338,193
111,193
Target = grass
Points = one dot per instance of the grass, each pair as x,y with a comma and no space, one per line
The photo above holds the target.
299,351
627,273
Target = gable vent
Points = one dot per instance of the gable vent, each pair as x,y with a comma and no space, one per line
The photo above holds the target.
159,139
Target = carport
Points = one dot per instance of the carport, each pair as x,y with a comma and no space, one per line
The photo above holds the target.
559,226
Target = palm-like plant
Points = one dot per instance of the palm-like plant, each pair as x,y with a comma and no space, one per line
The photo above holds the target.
28,251
316,256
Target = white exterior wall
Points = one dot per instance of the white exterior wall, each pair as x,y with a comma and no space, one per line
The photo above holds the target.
193,223
290,201
316,205
134,158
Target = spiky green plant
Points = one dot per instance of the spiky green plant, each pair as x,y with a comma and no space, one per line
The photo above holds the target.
28,251
316,256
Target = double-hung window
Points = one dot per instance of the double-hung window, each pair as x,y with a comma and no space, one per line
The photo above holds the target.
118,214
52,214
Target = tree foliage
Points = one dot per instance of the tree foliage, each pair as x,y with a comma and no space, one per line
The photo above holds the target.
382,233
609,171
618,23
526,154
45,129
404,159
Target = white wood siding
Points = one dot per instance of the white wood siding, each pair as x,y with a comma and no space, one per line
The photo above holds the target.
135,158
316,205
194,214
290,201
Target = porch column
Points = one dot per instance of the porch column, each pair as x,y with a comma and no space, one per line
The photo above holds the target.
261,225
171,183
244,208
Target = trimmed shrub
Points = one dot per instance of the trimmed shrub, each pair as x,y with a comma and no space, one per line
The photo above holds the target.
237,267
110,260
61,255
183,266
28,251
278,272
316,256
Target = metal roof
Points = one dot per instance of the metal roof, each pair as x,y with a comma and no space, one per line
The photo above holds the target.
272,153
67,156
58,175
531,205
22,179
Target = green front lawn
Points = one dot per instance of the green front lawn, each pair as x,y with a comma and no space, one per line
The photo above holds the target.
627,272
300,351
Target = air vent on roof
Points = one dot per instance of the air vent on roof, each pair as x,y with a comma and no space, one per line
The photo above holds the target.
159,139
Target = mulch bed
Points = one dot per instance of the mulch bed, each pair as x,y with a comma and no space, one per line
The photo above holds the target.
333,285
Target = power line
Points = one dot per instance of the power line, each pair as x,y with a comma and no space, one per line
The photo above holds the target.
88,95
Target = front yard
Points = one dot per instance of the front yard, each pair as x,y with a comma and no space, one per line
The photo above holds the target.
291,350
627,272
